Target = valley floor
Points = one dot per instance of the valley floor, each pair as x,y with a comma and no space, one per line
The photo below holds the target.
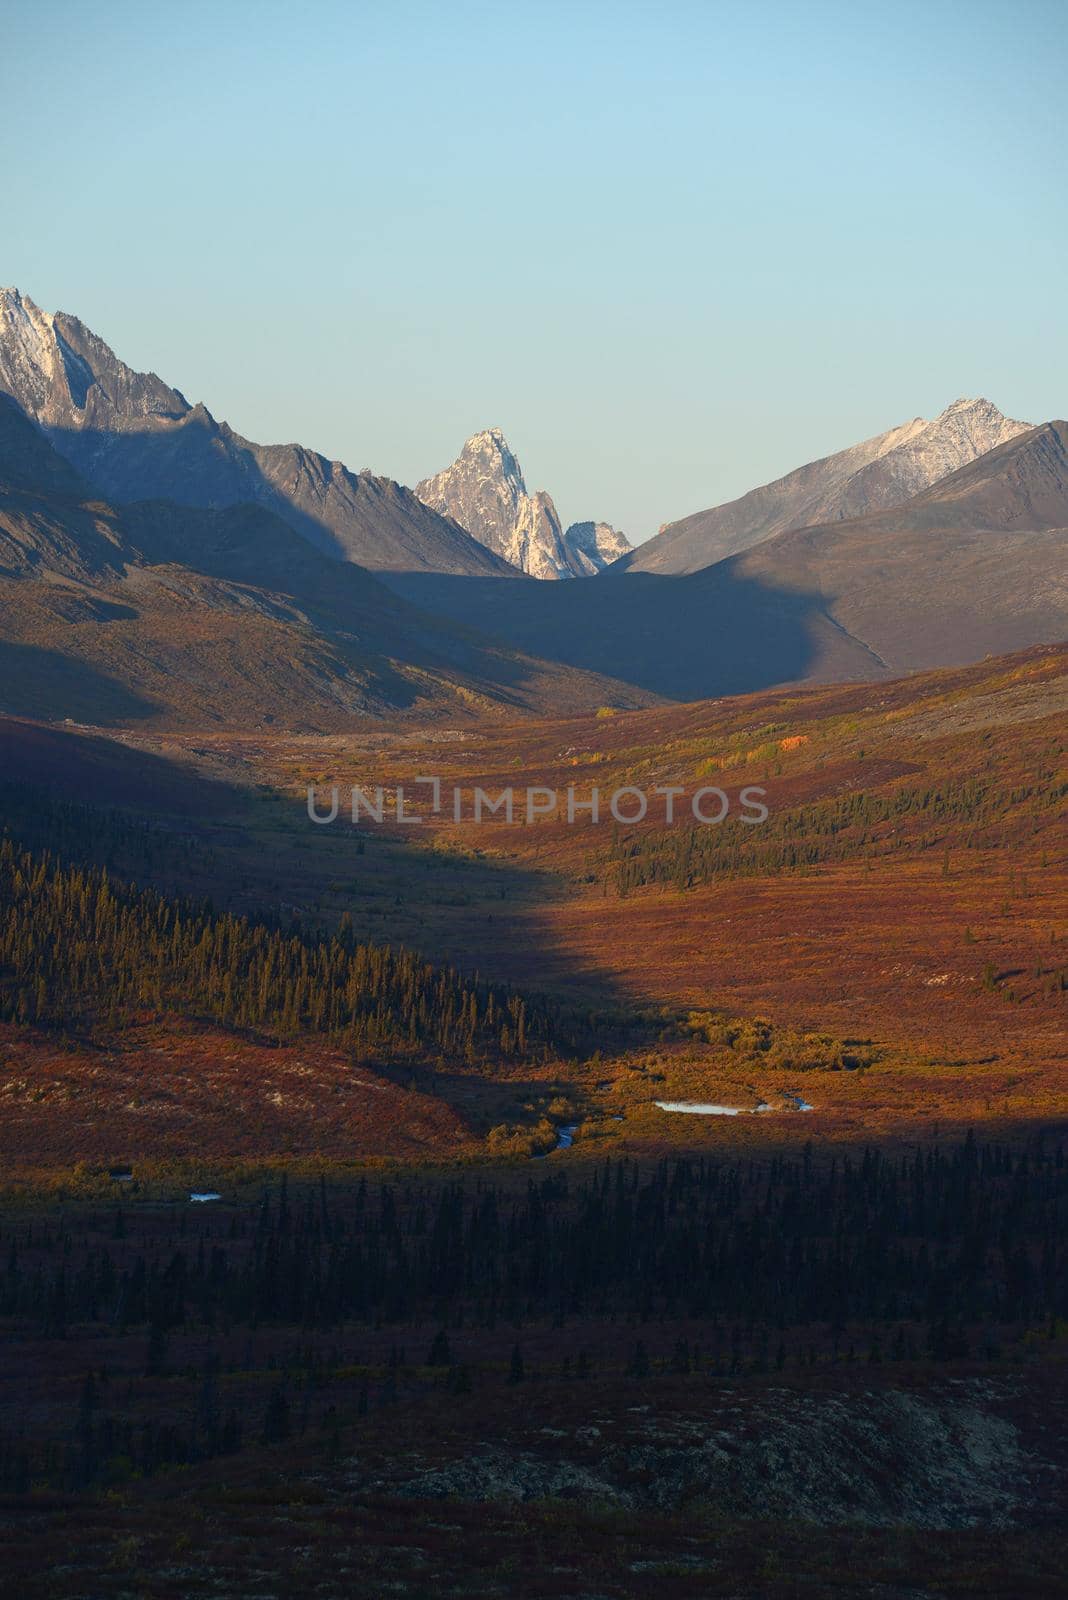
423,1345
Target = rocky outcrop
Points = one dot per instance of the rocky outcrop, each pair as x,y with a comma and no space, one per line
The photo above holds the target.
880,1459
482,490
595,545
485,492
538,540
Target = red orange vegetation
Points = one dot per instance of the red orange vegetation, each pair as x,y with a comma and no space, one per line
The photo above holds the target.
204,1094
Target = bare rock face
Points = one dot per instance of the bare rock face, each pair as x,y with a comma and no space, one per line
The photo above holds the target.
485,492
134,438
538,539
595,545
964,431
482,490
875,475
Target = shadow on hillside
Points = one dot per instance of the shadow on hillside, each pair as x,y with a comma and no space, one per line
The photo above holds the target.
95,770
196,462
196,497
38,682
687,638
257,853
684,637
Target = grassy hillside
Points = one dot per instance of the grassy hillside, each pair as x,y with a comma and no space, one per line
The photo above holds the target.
888,945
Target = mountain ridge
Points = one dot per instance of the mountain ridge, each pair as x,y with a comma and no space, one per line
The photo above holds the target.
223,616
225,543
973,566
135,438
875,474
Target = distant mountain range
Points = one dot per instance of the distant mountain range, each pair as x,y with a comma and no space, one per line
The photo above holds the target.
223,616
882,472
976,564
154,563
485,492
134,438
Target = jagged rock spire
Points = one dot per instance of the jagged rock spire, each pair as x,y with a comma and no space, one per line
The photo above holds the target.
485,492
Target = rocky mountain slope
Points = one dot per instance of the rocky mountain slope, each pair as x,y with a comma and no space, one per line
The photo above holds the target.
485,492
595,545
135,438
183,615
152,559
976,564
871,476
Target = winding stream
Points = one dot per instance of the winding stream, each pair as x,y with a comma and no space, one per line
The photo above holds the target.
565,1136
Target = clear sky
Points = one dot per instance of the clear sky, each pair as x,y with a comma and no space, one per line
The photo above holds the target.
672,249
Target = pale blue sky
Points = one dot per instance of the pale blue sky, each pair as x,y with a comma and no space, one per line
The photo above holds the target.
672,250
